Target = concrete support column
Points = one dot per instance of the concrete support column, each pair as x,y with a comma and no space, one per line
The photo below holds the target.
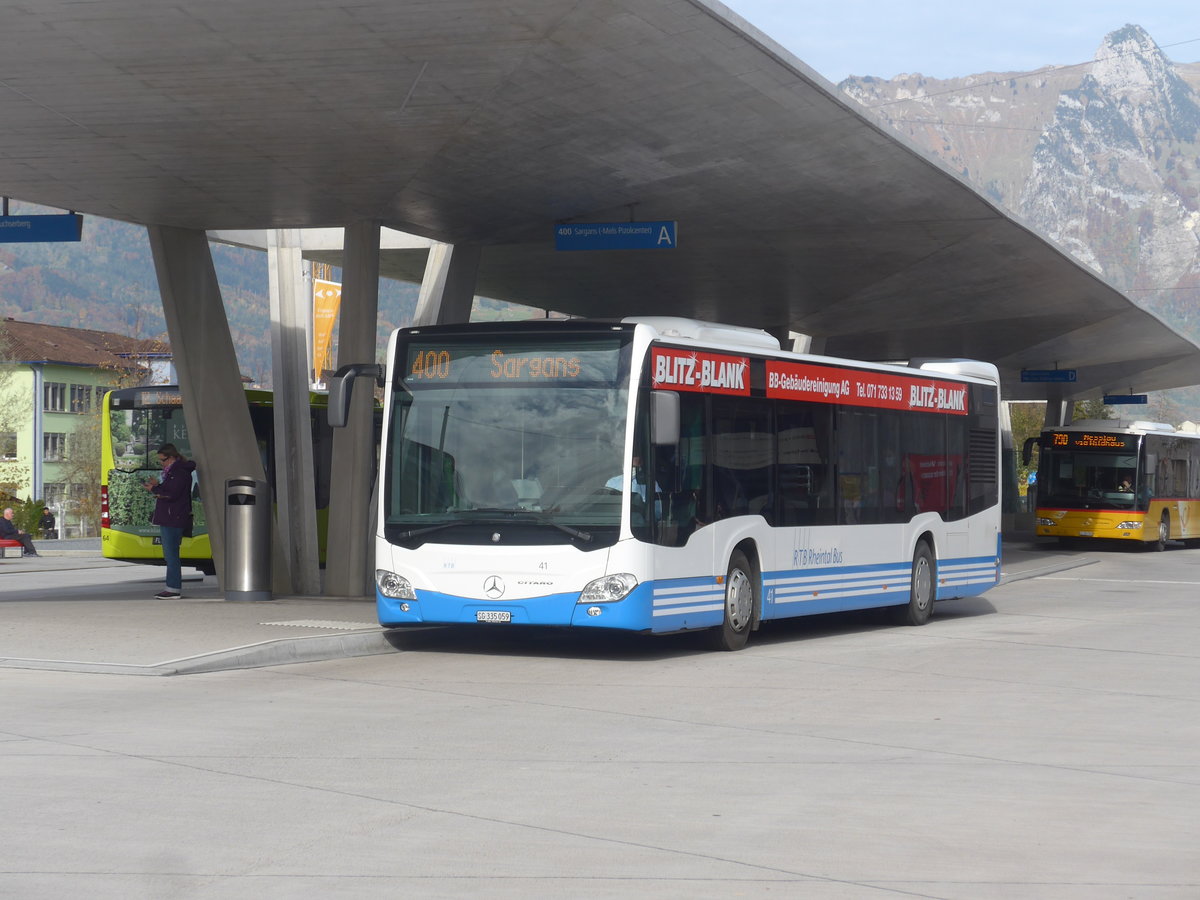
448,288
807,343
39,435
295,492
349,567
1058,412
214,402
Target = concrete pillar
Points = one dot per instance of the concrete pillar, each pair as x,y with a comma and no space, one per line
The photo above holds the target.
349,567
214,402
295,493
1058,412
807,343
448,288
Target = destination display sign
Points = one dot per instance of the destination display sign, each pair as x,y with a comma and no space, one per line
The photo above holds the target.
692,370
499,363
854,387
159,398
1090,440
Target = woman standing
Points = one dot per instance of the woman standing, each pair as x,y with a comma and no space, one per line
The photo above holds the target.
172,513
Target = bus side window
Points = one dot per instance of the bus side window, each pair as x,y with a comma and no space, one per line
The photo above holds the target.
802,477
742,452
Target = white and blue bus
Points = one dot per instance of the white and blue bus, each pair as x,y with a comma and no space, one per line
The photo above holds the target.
664,475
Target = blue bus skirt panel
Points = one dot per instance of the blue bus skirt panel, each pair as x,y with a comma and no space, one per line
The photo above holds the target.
663,606
804,592
680,604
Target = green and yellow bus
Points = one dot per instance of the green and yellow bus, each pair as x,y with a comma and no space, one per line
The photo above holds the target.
135,422
1103,479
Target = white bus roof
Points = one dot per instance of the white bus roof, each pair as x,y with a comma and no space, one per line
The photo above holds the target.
755,339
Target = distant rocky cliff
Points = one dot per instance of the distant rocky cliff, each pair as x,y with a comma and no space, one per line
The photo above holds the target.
1102,157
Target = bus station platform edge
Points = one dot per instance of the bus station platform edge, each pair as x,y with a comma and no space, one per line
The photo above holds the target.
71,610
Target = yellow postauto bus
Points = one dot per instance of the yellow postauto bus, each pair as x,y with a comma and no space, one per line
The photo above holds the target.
134,423
1103,479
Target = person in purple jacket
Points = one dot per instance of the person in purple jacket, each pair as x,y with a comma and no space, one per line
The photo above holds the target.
172,513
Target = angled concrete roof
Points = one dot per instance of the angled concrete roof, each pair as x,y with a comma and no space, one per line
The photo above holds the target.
477,121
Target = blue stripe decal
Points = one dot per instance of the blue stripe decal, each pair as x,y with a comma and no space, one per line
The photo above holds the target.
801,592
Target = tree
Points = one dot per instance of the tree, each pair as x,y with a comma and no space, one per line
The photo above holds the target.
1027,420
16,412
80,472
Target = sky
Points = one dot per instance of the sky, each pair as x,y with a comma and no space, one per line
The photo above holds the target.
948,39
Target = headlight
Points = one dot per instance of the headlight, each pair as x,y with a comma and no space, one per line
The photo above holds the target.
608,589
1129,525
1046,522
393,585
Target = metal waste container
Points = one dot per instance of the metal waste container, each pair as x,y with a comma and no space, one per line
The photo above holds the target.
247,539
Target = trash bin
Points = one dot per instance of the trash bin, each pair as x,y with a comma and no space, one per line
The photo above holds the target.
247,539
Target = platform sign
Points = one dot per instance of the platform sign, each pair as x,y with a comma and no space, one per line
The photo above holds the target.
1048,375
1125,399
615,236
40,229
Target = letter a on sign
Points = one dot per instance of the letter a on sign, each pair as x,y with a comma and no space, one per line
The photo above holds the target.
665,236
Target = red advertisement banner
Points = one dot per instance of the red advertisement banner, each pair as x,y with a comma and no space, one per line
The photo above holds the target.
853,387
690,370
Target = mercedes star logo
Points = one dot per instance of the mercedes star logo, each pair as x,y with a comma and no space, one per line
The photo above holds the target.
493,587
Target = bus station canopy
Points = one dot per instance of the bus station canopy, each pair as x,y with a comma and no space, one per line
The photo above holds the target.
476,122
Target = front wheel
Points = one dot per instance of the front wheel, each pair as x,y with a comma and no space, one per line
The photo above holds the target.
1164,533
922,591
733,633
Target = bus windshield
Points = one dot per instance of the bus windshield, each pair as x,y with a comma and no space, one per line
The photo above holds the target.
504,430
1087,479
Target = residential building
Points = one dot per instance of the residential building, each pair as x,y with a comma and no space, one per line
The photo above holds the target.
52,382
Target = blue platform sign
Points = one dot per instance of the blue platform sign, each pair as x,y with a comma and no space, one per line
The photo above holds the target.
40,229
1049,375
1119,399
615,236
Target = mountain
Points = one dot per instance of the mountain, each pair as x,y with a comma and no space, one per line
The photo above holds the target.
1102,157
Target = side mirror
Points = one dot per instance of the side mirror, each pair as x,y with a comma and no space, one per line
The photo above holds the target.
664,418
341,389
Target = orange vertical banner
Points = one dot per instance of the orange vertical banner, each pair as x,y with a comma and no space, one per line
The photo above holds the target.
327,298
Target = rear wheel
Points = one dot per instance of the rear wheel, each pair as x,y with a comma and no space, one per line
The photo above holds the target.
739,605
922,590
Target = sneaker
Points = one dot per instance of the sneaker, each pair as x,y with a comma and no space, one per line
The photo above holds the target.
168,594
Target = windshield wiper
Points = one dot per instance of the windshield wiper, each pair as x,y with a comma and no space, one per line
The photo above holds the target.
538,519
428,529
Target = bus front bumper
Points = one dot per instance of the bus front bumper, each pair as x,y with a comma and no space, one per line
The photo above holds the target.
632,613
1103,524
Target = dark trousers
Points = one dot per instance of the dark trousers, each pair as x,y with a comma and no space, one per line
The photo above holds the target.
26,542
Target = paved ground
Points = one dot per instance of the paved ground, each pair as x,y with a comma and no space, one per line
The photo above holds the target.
72,610
1037,743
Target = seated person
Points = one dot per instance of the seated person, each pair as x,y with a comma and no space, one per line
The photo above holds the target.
10,532
46,525
1125,486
